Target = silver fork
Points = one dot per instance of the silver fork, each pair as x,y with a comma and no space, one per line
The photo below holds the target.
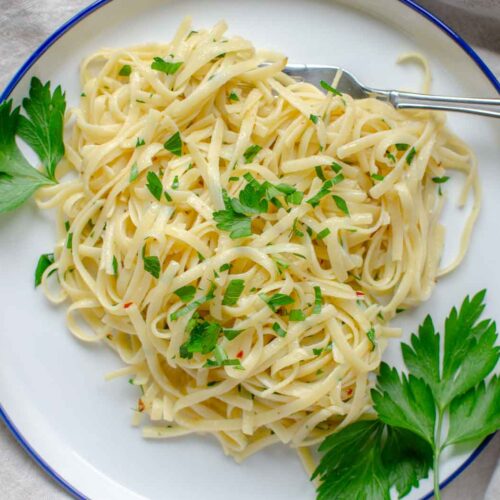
349,84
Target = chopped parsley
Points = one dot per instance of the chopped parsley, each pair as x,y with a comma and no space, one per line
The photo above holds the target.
230,334
371,337
134,173
45,260
193,305
411,155
314,118
279,331
233,292
125,70
329,88
336,167
277,300
115,266
251,152
69,241
169,68
233,96
391,157
297,315
186,293
240,226
295,230
175,183
225,267
323,234
319,173
151,264
174,144
139,142
295,198
318,300
401,146
377,177
440,180
154,185
341,204
202,339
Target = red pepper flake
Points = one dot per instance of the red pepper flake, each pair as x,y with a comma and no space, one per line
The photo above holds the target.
349,392
140,405
240,354
127,305
360,294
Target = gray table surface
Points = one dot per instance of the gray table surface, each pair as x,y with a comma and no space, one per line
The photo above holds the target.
24,24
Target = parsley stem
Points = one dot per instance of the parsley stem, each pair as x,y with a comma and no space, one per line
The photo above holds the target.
437,453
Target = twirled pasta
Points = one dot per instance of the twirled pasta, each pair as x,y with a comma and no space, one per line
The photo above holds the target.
380,250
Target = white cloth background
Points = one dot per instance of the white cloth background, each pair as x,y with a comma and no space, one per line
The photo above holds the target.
24,24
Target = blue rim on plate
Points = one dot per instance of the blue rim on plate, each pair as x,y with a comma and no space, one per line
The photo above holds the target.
93,8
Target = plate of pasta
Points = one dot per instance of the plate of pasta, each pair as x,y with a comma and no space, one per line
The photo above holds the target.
229,262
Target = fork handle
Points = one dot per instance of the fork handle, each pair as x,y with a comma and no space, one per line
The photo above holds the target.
409,100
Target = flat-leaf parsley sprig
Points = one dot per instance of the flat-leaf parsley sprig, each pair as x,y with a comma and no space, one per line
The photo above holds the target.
366,459
42,129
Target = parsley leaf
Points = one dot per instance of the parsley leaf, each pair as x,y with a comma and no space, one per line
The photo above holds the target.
371,337
18,179
314,201
251,152
364,459
202,339
186,293
279,331
152,266
440,180
115,266
175,182
377,177
319,173
134,173
233,292
411,155
336,167
401,146
233,96
139,142
43,129
323,234
341,204
297,315
476,414
125,70
45,260
329,88
193,305
154,185
277,300
249,200
318,300
225,267
169,68
231,334
405,402
314,118
391,157
295,198
174,144
239,225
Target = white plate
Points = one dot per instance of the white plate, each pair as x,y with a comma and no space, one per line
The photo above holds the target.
51,387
